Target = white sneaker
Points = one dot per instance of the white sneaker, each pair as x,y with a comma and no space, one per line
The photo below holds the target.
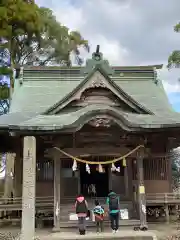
117,231
113,231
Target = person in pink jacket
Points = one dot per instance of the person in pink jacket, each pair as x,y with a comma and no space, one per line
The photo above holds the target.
82,212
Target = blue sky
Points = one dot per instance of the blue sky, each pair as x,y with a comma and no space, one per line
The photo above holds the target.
174,99
130,32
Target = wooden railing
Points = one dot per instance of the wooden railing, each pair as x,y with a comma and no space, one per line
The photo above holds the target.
16,203
9,204
169,198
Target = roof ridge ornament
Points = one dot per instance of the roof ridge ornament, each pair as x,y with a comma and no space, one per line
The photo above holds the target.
97,56
97,61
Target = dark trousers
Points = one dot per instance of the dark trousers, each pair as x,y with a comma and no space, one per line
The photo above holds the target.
114,218
99,226
82,223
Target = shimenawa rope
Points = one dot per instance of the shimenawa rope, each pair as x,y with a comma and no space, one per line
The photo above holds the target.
103,162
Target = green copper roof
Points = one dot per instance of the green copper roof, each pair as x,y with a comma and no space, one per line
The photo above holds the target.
37,95
37,92
146,92
119,93
127,121
39,89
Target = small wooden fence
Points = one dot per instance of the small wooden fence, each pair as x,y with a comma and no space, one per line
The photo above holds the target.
9,204
12,204
163,198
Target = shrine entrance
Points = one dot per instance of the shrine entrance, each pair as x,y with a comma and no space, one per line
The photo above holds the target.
94,183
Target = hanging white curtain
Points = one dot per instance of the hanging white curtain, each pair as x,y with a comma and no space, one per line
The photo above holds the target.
100,168
113,167
88,168
74,167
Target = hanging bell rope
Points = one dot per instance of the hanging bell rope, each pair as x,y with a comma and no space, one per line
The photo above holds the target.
103,162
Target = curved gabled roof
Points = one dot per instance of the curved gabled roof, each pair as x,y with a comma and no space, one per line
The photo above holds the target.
105,80
41,90
74,120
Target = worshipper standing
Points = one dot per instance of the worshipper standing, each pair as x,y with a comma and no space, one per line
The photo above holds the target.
114,209
81,211
99,216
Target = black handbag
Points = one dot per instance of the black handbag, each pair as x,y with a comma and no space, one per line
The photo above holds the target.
88,213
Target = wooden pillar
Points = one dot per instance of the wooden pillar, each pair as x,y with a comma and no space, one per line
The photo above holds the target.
18,175
130,178
8,181
132,213
29,187
79,182
57,191
141,190
8,185
126,182
110,177
166,208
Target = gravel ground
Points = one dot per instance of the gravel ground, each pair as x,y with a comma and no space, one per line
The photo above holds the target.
162,231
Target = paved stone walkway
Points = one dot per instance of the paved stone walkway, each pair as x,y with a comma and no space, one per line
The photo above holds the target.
123,234
156,231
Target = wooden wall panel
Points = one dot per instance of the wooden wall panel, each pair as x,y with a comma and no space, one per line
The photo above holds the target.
118,185
155,186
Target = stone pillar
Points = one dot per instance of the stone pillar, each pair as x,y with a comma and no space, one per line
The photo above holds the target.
57,191
29,187
141,191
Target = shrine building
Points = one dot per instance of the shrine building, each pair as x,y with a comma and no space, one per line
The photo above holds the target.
68,128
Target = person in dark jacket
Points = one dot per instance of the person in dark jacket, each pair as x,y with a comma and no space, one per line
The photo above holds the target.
81,211
114,209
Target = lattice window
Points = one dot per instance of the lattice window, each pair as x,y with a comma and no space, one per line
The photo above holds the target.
134,169
45,170
155,169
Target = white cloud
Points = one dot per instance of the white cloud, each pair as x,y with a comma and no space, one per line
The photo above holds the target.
129,32
75,19
170,79
171,88
70,16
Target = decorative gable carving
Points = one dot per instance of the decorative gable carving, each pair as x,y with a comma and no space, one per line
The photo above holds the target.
97,81
101,121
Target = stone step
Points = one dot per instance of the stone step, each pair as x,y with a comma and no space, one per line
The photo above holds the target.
70,207
123,235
